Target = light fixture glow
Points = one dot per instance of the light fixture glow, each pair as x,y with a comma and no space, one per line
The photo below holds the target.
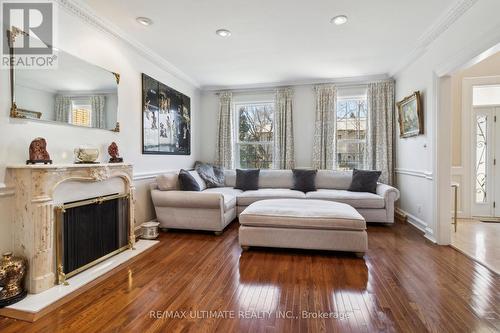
144,21
339,19
223,32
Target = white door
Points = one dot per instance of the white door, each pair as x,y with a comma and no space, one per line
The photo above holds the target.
485,167
496,162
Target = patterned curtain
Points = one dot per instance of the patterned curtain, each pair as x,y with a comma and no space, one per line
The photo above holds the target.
98,113
324,131
224,145
380,133
62,108
284,155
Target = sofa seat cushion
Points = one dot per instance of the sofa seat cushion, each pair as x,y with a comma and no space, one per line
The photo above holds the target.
354,199
302,214
248,197
230,194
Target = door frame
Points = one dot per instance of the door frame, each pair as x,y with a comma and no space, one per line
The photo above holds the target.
475,52
468,120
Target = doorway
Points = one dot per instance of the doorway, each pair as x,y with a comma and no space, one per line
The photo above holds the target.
485,169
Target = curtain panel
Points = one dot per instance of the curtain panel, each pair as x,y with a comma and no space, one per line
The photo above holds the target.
224,142
284,154
380,134
62,108
324,130
97,104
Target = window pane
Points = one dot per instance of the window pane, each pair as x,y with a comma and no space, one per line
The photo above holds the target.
256,156
350,154
256,122
81,116
351,134
481,152
486,95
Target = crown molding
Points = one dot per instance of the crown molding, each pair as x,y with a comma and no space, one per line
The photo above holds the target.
339,81
87,15
442,24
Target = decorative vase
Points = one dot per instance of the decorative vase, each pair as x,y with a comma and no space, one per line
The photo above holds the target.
150,230
12,273
86,154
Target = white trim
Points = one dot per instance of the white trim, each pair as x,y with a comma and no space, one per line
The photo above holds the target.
149,175
415,173
87,15
456,11
418,223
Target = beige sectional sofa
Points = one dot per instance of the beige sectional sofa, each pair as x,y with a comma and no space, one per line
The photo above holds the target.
214,208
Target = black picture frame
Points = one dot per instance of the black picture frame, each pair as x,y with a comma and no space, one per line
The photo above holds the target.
166,119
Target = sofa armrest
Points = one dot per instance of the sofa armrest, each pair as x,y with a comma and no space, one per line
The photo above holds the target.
388,192
187,199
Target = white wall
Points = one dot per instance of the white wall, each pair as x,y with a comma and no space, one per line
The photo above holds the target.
474,32
94,46
304,116
303,121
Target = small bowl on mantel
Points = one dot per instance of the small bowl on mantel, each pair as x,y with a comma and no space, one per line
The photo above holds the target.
86,155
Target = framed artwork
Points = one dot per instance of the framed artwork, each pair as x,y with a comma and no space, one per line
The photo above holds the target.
29,114
166,119
411,116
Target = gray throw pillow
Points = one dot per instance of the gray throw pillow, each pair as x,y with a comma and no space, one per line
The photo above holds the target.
364,181
188,182
304,180
211,174
247,180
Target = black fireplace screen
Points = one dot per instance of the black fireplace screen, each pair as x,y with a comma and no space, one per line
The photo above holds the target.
91,231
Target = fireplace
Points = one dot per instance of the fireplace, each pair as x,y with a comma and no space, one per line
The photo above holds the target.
90,231
40,190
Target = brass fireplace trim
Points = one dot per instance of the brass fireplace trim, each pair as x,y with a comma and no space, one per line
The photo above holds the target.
60,210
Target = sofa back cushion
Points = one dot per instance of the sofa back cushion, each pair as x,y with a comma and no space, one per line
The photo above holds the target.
168,181
333,180
229,178
276,179
325,179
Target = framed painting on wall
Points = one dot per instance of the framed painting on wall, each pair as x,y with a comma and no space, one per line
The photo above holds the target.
166,119
410,116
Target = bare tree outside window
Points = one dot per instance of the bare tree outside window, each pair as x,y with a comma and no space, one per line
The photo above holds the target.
255,136
351,133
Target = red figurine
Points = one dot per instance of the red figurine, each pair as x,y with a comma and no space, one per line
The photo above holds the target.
38,152
113,152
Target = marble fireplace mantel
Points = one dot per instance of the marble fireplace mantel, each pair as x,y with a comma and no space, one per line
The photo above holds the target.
33,228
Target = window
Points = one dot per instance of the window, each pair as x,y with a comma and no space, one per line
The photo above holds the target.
81,112
254,135
486,95
351,133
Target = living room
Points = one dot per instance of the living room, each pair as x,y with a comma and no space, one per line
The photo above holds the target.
327,136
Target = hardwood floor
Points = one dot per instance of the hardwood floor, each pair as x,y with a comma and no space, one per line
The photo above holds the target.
404,283
478,240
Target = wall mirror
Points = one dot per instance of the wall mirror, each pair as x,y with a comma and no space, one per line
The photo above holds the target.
75,93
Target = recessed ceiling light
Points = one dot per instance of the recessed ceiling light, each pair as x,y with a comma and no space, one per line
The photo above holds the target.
223,32
144,21
339,19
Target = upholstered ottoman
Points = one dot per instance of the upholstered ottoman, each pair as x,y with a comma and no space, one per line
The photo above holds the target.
303,224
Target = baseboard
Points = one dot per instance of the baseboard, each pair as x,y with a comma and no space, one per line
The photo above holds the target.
413,220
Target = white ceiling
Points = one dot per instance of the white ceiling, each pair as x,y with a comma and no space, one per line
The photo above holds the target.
276,40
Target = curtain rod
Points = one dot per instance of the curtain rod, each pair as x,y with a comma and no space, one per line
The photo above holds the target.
272,89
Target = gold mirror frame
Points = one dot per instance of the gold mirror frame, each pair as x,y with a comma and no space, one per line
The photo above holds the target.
15,112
